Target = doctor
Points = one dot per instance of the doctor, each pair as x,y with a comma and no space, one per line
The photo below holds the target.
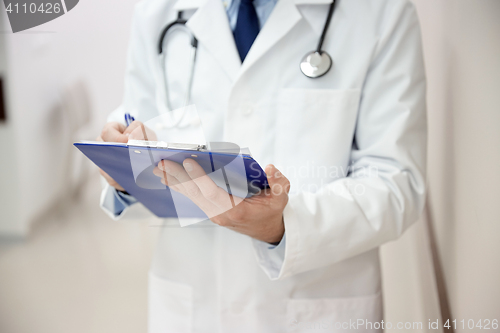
351,144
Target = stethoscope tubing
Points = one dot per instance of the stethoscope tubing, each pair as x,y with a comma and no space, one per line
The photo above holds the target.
194,44
325,28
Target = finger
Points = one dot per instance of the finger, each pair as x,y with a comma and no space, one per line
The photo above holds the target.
279,185
158,173
190,188
113,132
179,174
208,188
167,180
133,125
137,131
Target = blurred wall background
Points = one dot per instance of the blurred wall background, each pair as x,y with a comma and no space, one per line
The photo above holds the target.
463,58
63,78
462,54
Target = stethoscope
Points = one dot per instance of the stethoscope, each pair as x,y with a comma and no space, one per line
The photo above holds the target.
317,63
179,23
314,64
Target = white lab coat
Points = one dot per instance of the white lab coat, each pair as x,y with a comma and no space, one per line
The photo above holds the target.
352,143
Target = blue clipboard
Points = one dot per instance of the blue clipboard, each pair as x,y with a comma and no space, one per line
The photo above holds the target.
132,167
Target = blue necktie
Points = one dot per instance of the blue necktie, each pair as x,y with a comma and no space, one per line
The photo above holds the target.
247,27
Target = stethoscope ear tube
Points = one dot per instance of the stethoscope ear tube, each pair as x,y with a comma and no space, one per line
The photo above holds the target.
165,30
162,56
181,21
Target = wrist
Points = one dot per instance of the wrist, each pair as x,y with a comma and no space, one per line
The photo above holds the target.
278,234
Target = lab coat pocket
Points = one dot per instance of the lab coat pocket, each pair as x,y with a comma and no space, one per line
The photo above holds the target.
316,124
170,306
314,120
357,314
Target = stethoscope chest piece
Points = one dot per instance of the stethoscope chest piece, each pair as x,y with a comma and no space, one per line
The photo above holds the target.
316,64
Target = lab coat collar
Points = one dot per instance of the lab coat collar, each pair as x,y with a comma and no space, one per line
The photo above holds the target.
314,15
211,27
188,4
283,18
194,4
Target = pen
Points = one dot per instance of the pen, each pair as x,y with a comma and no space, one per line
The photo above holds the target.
128,119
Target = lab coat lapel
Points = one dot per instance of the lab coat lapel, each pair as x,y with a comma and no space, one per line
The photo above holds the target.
283,18
315,13
211,27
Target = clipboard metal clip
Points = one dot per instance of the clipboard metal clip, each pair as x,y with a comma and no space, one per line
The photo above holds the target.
166,145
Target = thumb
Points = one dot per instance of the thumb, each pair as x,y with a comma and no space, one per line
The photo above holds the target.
138,131
278,183
135,124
